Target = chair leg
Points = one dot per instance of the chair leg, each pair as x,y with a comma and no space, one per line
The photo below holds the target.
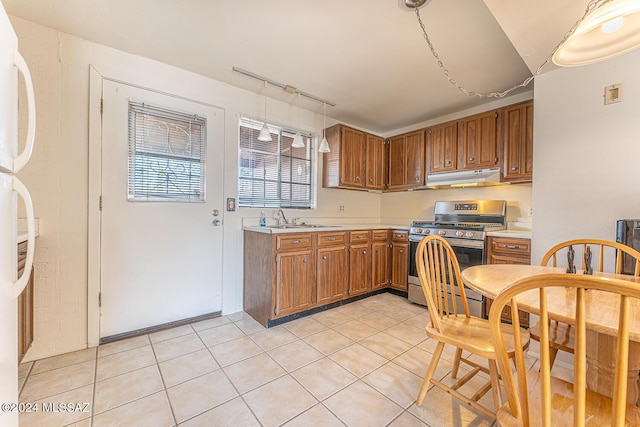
495,384
456,363
553,352
430,372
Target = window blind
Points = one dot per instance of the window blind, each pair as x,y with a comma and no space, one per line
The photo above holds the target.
167,151
273,174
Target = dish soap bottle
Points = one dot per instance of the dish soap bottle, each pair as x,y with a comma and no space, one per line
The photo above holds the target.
263,219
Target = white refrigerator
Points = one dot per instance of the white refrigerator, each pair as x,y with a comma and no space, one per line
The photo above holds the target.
11,286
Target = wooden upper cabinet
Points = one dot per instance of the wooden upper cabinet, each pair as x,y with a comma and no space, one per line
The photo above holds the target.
356,161
442,147
376,163
407,161
478,142
517,133
352,153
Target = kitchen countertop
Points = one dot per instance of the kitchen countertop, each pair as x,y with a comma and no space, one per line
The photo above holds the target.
327,227
519,234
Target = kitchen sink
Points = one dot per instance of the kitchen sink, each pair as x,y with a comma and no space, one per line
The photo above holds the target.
301,226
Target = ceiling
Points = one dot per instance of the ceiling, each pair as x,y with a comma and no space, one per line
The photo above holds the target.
368,57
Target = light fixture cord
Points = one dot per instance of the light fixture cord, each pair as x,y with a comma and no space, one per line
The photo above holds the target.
593,4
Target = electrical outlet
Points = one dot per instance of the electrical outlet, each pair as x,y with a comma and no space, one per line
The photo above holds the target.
341,208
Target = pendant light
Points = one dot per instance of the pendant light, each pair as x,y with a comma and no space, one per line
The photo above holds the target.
609,30
297,140
324,145
265,133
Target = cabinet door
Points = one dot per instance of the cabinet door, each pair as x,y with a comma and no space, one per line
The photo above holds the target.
518,142
399,266
331,281
380,264
396,162
414,159
352,162
442,143
478,141
359,269
294,282
376,170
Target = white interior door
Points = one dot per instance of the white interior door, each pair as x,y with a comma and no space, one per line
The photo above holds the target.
161,261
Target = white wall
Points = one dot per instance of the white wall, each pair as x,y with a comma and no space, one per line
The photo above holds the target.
57,176
586,154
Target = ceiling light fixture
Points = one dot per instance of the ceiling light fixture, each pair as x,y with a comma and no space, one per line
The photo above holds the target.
297,140
612,29
324,145
265,133
583,44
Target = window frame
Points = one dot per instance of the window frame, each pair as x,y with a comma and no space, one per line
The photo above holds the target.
279,134
196,192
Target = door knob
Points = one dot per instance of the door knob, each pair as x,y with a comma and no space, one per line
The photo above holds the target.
216,222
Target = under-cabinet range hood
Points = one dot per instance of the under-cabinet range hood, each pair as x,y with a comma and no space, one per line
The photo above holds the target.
470,178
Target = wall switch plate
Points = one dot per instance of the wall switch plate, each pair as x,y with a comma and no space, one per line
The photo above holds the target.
613,94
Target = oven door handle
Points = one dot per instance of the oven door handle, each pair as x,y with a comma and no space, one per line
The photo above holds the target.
462,243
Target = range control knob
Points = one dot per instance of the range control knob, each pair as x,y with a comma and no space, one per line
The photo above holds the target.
418,230
470,233
442,232
459,233
427,231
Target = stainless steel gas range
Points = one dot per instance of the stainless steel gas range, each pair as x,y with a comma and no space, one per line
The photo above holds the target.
464,224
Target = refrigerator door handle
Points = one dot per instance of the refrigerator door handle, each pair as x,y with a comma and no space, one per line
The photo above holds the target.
24,157
22,281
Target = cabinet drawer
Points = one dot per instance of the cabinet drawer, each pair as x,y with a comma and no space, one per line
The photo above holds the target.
399,236
359,237
511,246
380,235
293,241
326,239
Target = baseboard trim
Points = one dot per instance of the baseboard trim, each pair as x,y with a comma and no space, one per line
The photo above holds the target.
157,328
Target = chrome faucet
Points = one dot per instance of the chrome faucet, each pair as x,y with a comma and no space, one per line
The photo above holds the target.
280,217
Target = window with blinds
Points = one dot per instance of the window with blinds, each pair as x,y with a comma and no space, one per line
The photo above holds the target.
273,174
167,151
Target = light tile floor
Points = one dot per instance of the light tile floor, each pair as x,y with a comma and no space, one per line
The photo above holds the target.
360,364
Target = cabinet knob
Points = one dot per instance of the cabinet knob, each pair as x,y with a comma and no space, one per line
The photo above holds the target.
417,178
364,252
448,162
370,179
324,257
401,250
514,168
357,178
295,242
304,260
471,159
331,239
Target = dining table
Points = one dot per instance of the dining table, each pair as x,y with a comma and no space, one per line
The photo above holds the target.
602,318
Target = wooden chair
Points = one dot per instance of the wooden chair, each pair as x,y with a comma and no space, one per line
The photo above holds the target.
450,323
561,335
537,398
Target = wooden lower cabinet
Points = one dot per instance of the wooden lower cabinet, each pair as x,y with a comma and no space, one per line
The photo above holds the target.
25,306
295,290
380,260
508,250
288,273
332,263
359,263
399,260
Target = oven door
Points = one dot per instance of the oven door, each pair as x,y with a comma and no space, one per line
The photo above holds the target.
468,252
